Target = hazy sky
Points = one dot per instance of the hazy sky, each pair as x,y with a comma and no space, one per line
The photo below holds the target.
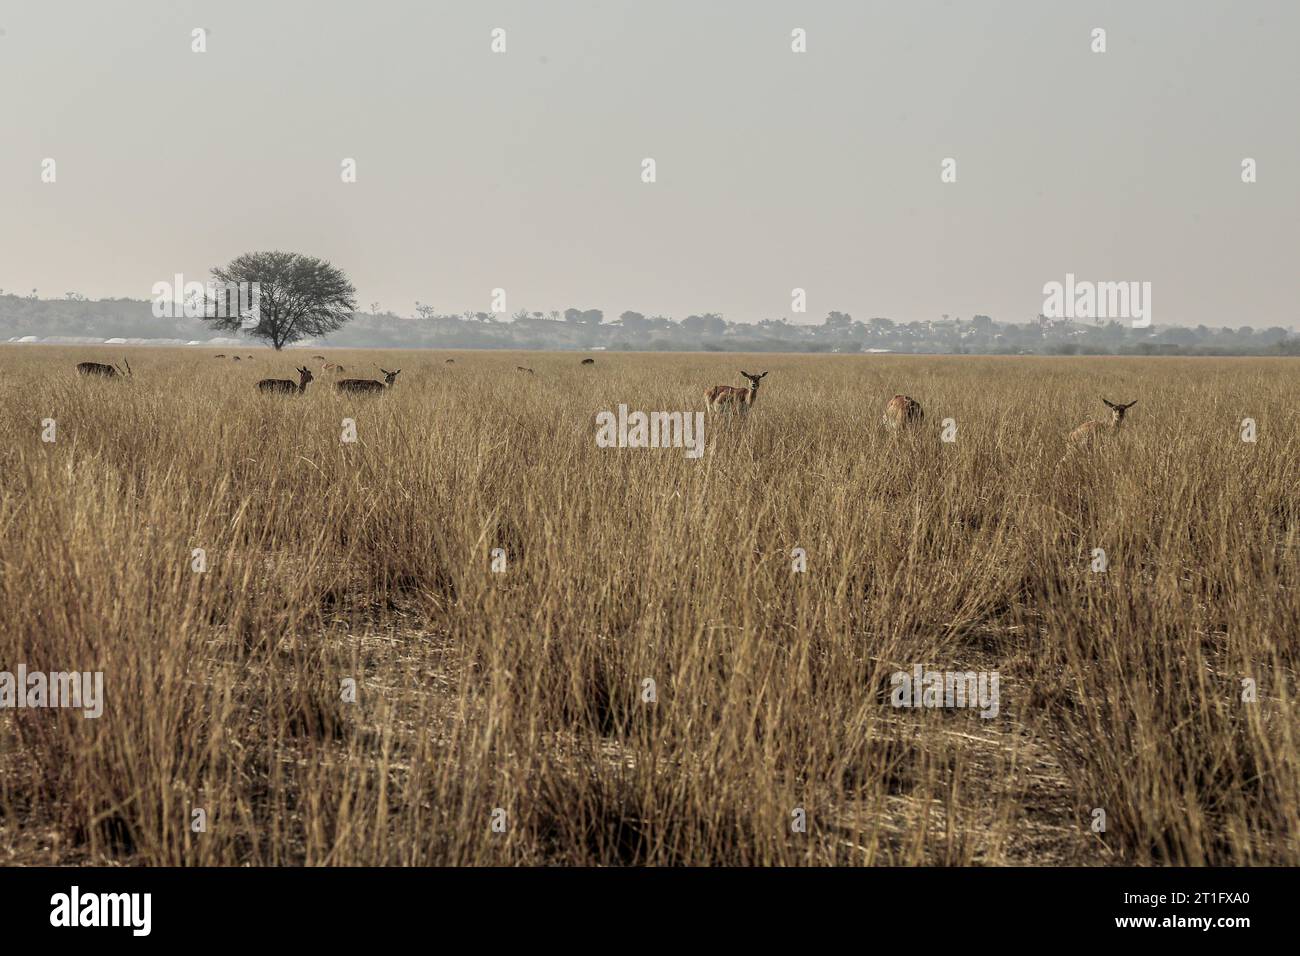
775,170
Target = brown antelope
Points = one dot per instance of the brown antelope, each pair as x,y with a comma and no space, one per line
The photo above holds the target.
332,367
285,385
520,368
588,361
1087,432
222,355
369,385
235,357
734,396
901,411
99,368
451,362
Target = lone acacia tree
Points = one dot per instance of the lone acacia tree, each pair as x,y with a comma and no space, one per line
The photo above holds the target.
299,297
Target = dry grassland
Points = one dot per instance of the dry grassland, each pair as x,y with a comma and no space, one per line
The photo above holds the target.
523,691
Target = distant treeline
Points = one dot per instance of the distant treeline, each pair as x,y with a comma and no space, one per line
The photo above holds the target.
76,317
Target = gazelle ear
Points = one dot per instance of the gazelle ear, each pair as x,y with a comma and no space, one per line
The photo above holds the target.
744,373
1109,404
1131,404
763,375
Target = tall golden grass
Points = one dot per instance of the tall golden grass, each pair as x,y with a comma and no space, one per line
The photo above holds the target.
523,691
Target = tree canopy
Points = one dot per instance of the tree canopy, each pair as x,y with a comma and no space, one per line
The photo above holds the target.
298,297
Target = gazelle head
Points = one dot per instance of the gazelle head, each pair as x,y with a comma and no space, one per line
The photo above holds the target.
1117,411
390,377
753,379
304,376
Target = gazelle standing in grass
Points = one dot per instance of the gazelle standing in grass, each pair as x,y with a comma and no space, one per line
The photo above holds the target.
1088,432
108,371
901,411
733,396
285,385
369,385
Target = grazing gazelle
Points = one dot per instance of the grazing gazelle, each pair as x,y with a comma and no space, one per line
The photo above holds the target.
369,385
900,411
1088,431
284,385
99,368
520,368
588,361
220,355
235,357
733,396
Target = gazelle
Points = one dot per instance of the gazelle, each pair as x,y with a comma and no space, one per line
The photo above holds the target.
99,368
588,361
220,355
1088,431
520,368
733,396
332,367
369,385
285,385
901,411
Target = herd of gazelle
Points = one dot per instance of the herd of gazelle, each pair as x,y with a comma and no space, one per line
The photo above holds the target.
286,386
901,411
